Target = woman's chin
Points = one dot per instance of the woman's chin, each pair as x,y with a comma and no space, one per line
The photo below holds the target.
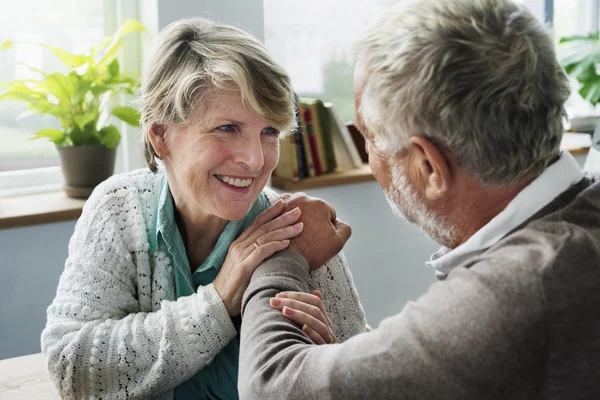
233,213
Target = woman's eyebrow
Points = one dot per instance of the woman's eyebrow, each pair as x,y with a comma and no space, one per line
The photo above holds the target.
229,121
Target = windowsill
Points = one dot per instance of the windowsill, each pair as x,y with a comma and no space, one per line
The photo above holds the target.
39,208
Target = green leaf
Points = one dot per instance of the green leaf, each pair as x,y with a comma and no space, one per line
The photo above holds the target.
55,135
6,45
127,114
86,136
61,86
70,60
83,119
113,68
592,36
130,26
110,136
112,50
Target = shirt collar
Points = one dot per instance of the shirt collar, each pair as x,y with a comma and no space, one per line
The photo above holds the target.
164,207
554,180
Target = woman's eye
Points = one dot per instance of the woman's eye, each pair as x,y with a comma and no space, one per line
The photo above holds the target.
270,131
227,128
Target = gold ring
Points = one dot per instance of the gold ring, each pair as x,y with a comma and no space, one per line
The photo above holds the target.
256,244
331,339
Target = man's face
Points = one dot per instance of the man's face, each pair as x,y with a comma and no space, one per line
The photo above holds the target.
397,176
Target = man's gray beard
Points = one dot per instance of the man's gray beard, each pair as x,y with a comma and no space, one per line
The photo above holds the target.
406,204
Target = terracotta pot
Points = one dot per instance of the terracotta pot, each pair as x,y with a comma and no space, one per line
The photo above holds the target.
84,167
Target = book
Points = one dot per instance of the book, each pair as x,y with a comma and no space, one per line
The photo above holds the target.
359,142
308,122
300,152
321,127
346,154
310,165
287,167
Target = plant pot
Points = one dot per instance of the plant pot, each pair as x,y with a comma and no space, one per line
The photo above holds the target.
84,167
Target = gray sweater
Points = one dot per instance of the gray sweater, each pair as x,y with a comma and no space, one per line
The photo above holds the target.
520,321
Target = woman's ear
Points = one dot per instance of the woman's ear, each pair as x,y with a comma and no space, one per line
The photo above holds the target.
157,138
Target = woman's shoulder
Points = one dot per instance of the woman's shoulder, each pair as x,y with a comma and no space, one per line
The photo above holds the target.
126,190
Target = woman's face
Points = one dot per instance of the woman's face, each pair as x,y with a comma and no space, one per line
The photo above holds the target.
220,161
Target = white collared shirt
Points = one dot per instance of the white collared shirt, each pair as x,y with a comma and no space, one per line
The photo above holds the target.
554,180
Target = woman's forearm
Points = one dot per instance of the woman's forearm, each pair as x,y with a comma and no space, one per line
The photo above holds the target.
139,354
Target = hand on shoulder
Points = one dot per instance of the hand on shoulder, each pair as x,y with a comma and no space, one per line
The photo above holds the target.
323,235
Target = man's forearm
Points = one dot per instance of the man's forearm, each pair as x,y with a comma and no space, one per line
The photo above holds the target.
273,349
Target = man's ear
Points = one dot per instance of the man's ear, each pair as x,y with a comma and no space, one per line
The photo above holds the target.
157,137
431,168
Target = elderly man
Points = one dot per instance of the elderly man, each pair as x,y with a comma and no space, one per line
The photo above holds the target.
461,104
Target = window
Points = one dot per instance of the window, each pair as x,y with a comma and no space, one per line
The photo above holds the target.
32,21
69,24
315,45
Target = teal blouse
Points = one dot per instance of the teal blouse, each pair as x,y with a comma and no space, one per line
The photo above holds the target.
218,380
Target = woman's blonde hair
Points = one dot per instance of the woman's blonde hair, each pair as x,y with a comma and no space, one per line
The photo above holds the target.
196,56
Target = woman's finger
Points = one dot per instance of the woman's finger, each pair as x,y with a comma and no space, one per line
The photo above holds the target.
313,311
268,215
285,196
288,232
285,219
301,318
312,299
261,253
322,307
314,336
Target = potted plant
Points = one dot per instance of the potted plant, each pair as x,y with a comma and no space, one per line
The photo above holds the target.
81,99
580,57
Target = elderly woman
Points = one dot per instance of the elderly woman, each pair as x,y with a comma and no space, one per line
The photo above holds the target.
149,302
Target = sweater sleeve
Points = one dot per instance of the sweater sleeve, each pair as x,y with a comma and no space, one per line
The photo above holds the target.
97,343
468,337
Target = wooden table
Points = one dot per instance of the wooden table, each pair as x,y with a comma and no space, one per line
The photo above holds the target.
25,378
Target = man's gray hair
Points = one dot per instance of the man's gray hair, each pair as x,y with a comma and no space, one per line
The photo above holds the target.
196,56
478,77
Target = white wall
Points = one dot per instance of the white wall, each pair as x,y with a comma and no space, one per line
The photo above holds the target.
247,14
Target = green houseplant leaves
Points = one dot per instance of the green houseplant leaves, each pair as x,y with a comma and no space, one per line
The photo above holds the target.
80,98
580,57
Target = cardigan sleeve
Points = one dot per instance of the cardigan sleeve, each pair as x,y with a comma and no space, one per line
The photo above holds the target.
97,343
340,298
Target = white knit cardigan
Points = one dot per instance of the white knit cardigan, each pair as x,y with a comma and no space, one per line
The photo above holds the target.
114,329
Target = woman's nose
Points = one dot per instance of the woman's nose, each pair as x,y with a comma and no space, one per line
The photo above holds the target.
251,154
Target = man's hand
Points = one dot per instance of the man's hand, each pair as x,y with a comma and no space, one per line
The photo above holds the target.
323,236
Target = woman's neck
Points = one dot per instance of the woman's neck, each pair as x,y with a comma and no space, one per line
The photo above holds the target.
199,230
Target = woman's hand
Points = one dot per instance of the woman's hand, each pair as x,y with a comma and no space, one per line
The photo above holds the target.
306,310
269,233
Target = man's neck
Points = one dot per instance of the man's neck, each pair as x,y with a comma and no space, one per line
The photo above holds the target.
474,206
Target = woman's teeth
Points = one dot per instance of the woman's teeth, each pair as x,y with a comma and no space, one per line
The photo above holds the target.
235,181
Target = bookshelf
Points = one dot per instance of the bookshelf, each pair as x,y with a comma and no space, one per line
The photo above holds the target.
362,174
576,144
